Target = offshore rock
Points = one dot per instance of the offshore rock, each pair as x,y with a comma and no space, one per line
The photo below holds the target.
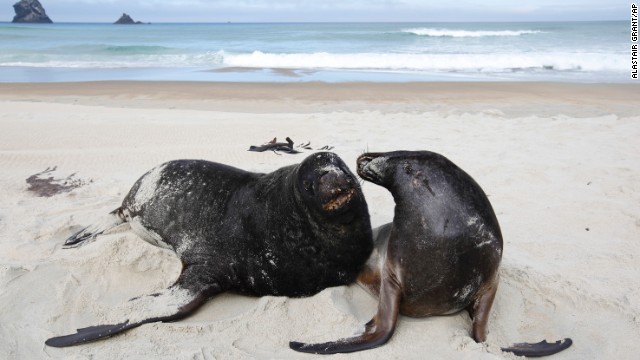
30,11
125,19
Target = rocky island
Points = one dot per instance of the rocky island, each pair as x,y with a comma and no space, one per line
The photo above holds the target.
30,11
125,19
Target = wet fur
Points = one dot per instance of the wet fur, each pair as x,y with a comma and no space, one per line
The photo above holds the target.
440,255
256,234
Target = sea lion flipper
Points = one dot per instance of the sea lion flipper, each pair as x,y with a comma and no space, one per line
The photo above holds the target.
480,309
377,331
87,334
369,277
89,233
173,303
542,348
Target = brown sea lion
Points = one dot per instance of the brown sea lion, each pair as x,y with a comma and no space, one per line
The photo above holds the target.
440,255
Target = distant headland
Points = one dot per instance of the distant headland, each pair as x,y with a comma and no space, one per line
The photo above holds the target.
30,11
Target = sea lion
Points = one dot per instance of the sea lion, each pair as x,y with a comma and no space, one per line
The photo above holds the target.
292,232
440,255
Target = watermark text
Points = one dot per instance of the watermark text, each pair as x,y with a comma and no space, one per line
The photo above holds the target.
634,41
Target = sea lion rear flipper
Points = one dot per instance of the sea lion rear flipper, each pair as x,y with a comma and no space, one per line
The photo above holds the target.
480,308
174,303
89,233
377,331
542,348
479,311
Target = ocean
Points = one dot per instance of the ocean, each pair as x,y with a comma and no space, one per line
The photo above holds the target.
333,52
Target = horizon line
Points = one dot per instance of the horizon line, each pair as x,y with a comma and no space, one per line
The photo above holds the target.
313,22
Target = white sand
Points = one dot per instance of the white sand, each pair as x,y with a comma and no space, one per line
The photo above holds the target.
562,175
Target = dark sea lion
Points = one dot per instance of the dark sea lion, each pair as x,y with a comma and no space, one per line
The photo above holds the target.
440,255
292,232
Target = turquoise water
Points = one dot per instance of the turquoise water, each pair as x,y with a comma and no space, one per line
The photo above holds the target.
561,51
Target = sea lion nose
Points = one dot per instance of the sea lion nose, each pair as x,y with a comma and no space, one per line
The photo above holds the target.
336,190
335,182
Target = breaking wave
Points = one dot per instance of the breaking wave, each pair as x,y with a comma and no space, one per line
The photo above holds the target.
468,33
438,62
428,62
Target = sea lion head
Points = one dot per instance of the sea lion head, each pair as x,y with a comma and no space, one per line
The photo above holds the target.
326,184
376,168
397,168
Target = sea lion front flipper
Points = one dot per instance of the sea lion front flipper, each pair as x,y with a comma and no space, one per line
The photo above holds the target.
369,277
174,303
377,331
543,348
88,334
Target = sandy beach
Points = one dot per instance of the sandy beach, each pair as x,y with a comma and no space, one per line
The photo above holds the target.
559,161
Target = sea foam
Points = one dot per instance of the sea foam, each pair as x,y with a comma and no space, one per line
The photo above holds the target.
429,62
468,33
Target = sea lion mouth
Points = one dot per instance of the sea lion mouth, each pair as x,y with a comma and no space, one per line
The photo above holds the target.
340,201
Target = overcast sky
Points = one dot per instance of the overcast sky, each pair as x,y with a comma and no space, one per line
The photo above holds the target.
328,10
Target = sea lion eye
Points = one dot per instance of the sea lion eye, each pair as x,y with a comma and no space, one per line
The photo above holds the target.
307,185
407,168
